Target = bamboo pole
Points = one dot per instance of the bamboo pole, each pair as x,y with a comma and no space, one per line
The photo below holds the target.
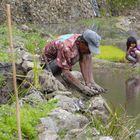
14,71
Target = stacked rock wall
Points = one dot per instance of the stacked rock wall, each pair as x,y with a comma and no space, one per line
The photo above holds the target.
47,11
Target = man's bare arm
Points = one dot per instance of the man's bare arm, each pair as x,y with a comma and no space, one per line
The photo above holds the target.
76,83
86,69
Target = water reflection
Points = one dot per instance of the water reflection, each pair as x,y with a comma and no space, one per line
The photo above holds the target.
132,96
132,88
122,89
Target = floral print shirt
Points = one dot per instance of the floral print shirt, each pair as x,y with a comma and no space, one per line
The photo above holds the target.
63,50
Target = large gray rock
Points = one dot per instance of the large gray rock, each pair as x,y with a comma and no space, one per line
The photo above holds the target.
82,134
72,134
33,97
97,106
27,56
60,120
27,65
6,82
69,104
67,120
77,75
30,62
19,42
55,93
85,134
48,124
46,81
48,135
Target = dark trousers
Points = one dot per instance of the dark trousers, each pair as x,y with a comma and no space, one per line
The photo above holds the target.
52,66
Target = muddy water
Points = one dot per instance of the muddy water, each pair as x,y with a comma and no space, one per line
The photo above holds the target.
122,89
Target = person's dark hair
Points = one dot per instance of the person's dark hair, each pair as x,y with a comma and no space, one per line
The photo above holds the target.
130,40
81,39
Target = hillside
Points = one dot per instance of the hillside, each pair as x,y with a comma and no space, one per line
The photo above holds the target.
59,11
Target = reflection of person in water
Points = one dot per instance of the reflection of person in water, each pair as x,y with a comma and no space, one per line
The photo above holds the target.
132,88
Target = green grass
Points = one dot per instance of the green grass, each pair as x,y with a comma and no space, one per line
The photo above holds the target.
3,35
29,119
111,53
34,39
4,57
118,125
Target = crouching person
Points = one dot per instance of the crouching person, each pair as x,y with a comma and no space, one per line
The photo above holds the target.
62,53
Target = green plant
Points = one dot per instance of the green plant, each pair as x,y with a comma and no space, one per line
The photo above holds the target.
36,70
3,35
35,42
111,53
29,119
4,57
118,125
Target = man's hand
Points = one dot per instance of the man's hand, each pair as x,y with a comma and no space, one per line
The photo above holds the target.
68,77
96,87
90,91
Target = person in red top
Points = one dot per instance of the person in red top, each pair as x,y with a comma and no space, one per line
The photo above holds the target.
62,53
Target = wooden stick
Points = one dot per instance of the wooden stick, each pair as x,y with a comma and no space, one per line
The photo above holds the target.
14,71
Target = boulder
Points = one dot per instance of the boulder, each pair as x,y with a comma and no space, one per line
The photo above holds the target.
48,135
33,97
69,104
60,120
46,81
97,107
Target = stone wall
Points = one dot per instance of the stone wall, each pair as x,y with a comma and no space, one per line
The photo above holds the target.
47,11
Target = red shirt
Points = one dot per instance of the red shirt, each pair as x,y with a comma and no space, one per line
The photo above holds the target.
64,50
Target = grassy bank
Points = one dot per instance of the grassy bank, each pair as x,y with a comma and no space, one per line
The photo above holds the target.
32,40
29,119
